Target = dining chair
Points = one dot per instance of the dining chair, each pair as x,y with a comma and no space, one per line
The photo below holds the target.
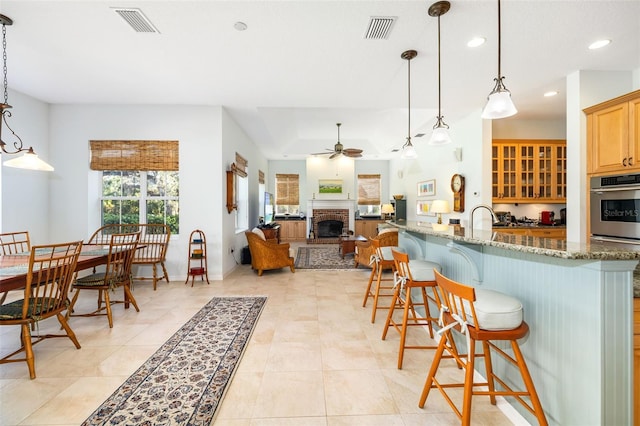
117,273
50,272
15,242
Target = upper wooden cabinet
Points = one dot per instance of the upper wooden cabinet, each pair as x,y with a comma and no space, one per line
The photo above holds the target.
613,135
529,171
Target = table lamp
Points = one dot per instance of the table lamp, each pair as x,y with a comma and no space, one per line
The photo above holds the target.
439,207
387,209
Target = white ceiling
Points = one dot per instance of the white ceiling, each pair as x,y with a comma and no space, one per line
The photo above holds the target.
302,66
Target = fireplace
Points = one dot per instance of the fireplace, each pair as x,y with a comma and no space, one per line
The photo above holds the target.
329,228
328,224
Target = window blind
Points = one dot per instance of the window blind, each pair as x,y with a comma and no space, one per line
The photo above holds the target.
287,189
134,155
368,189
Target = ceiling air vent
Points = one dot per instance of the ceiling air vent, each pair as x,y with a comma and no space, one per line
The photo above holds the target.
379,27
137,20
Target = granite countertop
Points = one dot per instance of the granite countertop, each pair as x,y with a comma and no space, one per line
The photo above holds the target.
528,226
595,250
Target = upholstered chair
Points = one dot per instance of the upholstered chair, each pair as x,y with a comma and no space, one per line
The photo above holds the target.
388,237
268,254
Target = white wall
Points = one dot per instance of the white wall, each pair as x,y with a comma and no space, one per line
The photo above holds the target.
235,140
24,195
440,163
74,210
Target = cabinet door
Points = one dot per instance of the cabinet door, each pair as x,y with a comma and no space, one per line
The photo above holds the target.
504,172
633,162
551,172
609,139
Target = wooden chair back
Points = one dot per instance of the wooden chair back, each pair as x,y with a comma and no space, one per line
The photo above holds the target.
402,264
15,242
122,251
456,297
51,271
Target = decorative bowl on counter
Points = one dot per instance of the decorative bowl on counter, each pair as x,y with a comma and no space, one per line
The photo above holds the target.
398,196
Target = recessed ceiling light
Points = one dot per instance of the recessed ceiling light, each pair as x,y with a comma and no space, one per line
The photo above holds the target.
598,44
550,93
240,26
476,41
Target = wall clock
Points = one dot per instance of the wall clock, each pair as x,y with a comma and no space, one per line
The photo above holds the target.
457,186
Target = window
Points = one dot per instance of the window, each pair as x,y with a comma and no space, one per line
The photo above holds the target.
140,197
140,181
369,195
287,194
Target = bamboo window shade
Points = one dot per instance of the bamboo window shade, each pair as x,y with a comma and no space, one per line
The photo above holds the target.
240,166
134,155
368,189
287,189
260,176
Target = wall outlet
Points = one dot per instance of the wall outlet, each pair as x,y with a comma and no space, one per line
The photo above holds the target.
231,250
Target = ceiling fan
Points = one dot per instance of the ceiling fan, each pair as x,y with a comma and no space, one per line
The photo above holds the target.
340,149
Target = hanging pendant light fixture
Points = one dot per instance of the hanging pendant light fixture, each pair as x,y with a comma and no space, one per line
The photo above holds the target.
29,160
408,151
440,135
499,103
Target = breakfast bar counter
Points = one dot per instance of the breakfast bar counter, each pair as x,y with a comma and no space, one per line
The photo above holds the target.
578,302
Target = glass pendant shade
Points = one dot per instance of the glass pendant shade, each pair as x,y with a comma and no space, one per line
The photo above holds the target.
408,151
499,105
30,161
440,136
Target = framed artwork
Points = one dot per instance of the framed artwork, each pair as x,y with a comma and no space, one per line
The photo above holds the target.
329,186
427,188
423,208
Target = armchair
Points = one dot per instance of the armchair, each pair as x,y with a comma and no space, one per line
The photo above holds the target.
364,249
268,254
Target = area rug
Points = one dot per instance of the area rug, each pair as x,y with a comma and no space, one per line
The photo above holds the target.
323,257
184,382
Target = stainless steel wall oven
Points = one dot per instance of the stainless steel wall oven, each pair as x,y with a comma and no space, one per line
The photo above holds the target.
615,208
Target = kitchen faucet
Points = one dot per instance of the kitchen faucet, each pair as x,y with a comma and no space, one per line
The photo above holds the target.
483,206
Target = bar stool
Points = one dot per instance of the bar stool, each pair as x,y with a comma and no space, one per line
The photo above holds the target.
422,278
381,260
484,316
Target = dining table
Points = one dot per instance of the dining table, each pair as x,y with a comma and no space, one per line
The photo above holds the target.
15,267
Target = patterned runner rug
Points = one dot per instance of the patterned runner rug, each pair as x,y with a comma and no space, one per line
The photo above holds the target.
184,382
323,257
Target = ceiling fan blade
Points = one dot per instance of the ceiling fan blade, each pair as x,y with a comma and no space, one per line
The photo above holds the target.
322,153
334,155
352,151
352,154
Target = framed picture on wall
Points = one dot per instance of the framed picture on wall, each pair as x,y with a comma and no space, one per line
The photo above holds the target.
427,188
329,186
423,208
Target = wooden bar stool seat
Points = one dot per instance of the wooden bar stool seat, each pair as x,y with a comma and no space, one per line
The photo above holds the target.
381,261
421,278
484,316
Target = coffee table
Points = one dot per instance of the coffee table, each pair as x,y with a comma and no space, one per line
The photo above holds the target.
348,244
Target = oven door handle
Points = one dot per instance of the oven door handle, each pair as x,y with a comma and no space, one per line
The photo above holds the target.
616,189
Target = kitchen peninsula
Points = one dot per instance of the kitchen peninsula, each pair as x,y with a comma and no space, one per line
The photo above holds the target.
578,302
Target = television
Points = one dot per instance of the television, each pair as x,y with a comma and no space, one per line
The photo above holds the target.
269,208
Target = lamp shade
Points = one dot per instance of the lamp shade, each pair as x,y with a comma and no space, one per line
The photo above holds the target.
409,151
387,208
440,136
440,206
499,105
29,161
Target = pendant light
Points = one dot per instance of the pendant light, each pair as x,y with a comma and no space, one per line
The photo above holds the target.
29,160
440,135
408,151
499,103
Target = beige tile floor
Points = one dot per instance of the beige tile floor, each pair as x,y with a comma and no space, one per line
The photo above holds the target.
314,358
